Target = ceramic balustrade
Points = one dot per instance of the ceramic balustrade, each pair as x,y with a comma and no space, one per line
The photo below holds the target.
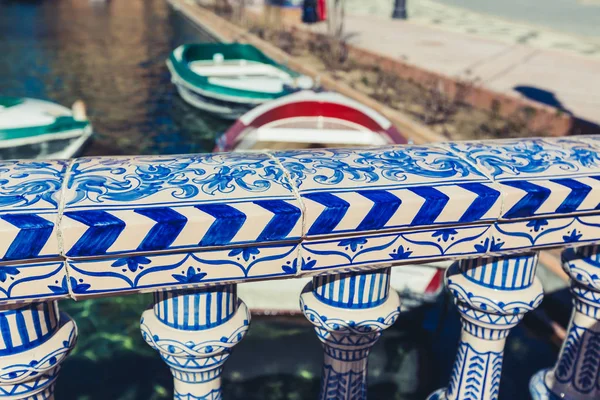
349,312
576,374
492,295
191,227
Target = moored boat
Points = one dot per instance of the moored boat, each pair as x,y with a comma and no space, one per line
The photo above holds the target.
310,119
38,129
228,79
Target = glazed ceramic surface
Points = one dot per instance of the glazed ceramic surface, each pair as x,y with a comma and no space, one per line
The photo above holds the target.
188,228
122,224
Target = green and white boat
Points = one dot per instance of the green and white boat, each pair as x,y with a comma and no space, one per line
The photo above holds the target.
229,79
38,129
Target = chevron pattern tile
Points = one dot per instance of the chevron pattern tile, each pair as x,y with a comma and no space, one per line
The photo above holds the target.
120,205
347,191
126,224
539,176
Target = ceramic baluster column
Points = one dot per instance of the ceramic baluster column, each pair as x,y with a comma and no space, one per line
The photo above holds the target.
195,331
349,312
576,375
35,339
492,295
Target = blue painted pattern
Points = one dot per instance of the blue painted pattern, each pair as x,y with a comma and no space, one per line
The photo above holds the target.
505,273
165,227
25,327
476,202
441,200
196,310
31,185
357,290
33,232
476,374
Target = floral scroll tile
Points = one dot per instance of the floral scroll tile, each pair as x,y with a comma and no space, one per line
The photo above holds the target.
187,269
29,201
361,190
146,204
539,177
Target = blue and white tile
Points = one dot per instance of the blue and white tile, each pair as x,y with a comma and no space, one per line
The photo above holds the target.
31,186
539,177
394,249
34,280
362,190
552,232
140,273
594,140
29,200
28,236
145,204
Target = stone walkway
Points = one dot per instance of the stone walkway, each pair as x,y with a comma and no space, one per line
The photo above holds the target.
557,69
433,14
566,77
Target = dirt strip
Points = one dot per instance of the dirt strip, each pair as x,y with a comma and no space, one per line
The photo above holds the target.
226,31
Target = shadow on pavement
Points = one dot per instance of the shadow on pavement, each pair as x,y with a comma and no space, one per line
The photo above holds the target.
580,126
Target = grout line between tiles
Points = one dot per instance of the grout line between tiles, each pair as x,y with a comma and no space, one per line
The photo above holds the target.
59,218
495,184
302,208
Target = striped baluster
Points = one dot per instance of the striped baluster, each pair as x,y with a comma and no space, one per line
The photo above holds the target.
357,290
576,374
34,340
195,311
349,312
501,272
492,295
25,327
195,330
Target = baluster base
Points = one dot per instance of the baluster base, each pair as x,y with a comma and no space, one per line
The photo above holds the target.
196,358
31,375
439,394
538,388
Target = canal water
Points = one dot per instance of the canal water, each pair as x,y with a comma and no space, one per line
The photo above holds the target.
111,54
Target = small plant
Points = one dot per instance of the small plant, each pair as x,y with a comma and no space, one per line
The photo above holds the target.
386,86
440,104
517,124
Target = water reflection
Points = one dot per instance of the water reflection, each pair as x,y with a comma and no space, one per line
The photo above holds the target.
112,55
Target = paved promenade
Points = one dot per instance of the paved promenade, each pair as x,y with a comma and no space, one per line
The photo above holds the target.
566,76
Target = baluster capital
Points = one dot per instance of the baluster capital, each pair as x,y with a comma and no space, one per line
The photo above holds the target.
35,339
195,331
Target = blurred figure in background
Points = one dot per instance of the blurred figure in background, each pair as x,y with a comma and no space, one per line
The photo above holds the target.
310,11
399,9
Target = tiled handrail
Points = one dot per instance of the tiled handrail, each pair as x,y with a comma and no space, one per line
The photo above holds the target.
175,224
128,224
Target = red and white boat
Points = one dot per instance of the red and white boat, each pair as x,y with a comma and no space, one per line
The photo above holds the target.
310,119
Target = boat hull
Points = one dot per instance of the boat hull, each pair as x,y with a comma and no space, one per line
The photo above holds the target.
75,147
218,107
39,129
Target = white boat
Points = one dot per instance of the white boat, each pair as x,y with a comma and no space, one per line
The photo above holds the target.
38,129
310,119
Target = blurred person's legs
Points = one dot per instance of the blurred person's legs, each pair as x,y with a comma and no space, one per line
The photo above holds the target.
399,9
